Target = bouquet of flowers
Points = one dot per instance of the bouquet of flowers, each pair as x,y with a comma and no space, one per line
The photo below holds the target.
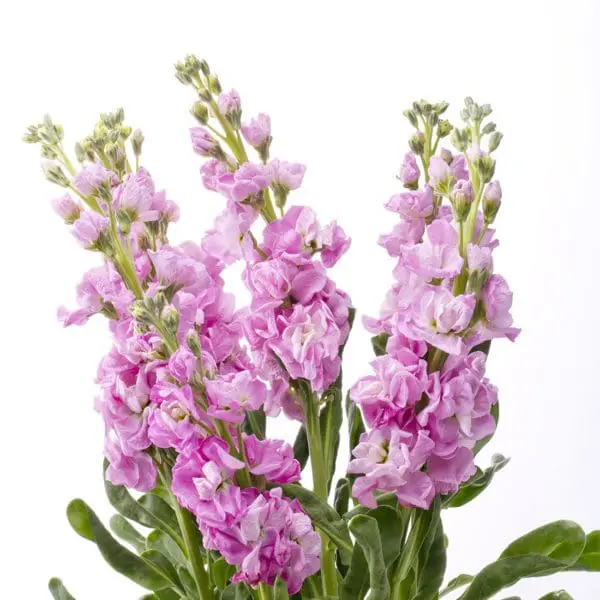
190,381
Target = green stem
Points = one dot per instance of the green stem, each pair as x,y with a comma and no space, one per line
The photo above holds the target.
264,592
191,539
313,430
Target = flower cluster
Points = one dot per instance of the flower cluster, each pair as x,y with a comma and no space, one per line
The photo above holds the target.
428,402
186,369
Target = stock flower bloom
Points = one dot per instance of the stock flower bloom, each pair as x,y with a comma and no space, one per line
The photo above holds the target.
394,387
182,365
497,299
137,471
274,459
458,167
270,280
289,175
136,195
479,258
229,102
412,205
91,177
248,180
66,207
407,233
89,227
439,171
232,395
258,130
203,142
390,460
438,255
409,171
334,244
211,171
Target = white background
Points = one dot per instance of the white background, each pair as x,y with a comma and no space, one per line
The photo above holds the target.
335,77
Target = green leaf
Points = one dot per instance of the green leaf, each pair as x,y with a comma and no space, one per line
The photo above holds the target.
125,503
495,412
456,583
163,515
159,540
255,423
543,551
163,565
280,590
558,595
432,566
188,582
391,530
301,447
58,590
331,419
477,484
590,557
222,572
323,516
86,523
123,529
236,591
356,426
342,496
379,343
366,532
560,540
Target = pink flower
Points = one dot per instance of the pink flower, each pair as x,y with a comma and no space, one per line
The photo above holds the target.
289,175
229,102
334,244
393,388
270,281
479,258
390,460
459,168
437,256
409,171
89,227
232,395
273,459
248,180
203,142
182,365
136,195
448,473
412,205
211,171
175,421
406,233
439,171
67,208
257,131
91,177
137,471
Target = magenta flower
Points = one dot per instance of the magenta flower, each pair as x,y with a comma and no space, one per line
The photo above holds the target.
289,175
137,196
407,233
334,244
247,181
273,459
232,395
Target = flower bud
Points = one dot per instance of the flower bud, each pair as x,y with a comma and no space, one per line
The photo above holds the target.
67,208
200,112
460,139
446,155
214,85
193,342
440,175
192,63
412,117
462,196
444,128
417,143
140,312
492,198
485,166
409,172
204,94
137,139
488,128
494,141
54,174
170,318
204,67
230,106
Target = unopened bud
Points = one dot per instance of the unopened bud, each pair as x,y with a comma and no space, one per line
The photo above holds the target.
446,155
170,318
492,198
444,128
140,312
204,94
204,68
494,141
32,135
462,196
192,63
441,107
54,174
193,342
412,117
214,84
460,139
200,112
488,128
485,166
137,140
440,175
417,143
